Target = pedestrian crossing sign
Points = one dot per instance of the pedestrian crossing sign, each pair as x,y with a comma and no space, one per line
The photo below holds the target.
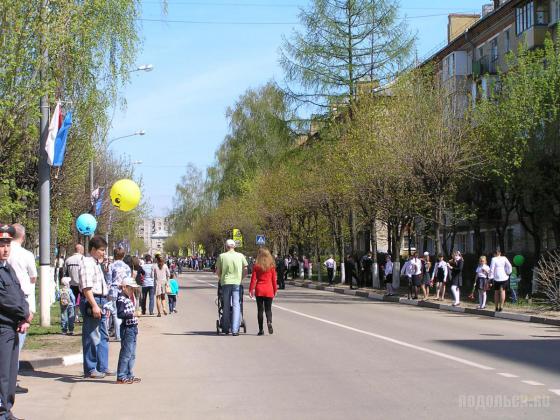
261,240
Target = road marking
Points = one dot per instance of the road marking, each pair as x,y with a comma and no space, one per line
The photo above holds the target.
389,339
508,375
555,391
535,383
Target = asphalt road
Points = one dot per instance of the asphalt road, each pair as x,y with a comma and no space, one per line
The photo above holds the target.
331,357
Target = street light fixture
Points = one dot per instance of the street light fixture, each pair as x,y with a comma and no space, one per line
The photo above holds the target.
143,67
136,133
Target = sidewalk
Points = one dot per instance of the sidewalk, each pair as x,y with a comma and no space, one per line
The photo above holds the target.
466,307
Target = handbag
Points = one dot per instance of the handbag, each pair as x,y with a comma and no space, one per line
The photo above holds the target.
167,288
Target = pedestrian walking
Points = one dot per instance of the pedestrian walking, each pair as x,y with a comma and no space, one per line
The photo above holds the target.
67,303
500,270
426,277
128,333
280,272
456,267
350,272
417,276
306,274
231,268
161,277
148,285
439,276
173,294
388,272
263,287
330,263
482,281
72,269
407,273
366,264
23,263
94,290
15,318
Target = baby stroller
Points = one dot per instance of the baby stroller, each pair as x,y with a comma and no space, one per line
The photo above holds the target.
220,304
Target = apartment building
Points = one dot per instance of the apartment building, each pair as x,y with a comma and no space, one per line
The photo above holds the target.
154,232
468,67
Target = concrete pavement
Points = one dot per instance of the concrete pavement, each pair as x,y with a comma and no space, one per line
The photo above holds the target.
331,357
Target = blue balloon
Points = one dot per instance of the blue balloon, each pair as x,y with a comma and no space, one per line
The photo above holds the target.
86,224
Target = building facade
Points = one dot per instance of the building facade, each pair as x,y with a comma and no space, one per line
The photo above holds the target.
154,232
468,68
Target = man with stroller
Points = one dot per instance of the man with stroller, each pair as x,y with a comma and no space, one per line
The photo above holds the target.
231,268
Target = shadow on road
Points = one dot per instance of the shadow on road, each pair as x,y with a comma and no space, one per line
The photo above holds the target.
203,333
542,354
71,379
302,297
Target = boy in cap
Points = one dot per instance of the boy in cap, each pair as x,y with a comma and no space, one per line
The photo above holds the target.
129,332
14,318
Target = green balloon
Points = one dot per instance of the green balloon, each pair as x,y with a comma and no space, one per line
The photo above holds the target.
518,260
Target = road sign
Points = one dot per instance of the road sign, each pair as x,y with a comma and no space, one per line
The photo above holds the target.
261,240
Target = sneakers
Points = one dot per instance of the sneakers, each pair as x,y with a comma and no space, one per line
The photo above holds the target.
21,389
270,330
261,332
95,375
124,381
110,373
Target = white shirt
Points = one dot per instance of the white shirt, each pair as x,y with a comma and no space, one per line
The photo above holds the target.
330,263
408,269
443,266
388,267
23,263
417,264
500,268
482,270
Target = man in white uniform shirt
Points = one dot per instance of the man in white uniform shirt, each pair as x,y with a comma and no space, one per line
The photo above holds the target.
23,263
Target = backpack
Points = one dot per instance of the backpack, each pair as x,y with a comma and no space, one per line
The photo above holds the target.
64,298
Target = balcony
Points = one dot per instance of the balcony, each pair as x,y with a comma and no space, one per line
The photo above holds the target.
485,65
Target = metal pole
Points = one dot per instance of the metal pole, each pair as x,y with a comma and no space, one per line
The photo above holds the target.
44,192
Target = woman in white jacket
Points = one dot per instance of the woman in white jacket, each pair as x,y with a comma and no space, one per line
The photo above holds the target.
500,269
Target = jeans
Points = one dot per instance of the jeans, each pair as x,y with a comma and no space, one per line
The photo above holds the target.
95,340
264,304
172,299
67,317
112,306
127,355
147,290
231,296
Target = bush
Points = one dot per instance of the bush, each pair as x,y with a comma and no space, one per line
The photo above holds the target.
548,278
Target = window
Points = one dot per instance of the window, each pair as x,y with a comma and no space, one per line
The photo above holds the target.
507,41
524,17
555,11
480,52
494,50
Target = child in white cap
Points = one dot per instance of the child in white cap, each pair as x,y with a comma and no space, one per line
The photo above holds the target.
129,332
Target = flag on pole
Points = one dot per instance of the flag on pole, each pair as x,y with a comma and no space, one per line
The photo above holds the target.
99,202
51,135
60,141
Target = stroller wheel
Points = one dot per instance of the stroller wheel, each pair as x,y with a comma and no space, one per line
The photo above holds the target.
217,327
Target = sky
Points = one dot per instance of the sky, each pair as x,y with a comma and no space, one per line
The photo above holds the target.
204,63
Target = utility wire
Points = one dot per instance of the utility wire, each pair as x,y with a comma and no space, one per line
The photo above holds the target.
212,22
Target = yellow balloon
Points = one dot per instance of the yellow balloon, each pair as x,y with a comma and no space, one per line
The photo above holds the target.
125,194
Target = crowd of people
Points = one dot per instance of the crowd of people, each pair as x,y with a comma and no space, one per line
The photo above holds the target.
107,295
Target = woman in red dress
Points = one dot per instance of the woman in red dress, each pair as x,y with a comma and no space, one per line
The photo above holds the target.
263,287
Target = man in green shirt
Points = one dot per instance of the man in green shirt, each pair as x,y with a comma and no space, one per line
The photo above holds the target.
231,268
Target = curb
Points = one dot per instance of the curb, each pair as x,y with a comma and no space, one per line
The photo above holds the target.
511,316
69,360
